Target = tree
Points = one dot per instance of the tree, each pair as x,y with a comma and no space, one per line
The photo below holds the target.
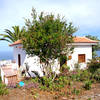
95,47
12,36
47,37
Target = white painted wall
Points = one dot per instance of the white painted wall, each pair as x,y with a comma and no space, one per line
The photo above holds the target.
16,51
33,62
2,75
80,49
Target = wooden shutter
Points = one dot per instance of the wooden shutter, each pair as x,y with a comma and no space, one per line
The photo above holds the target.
81,58
69,57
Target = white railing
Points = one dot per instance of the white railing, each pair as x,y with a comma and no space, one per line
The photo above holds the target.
5,62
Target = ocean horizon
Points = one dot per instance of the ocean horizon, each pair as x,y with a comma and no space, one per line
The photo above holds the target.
6,55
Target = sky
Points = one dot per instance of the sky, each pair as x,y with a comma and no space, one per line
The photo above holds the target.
84,14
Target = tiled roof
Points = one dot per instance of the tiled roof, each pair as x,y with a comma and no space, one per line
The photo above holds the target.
84,40
16,42
76,40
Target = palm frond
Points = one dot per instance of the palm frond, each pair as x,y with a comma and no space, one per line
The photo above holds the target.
5,40
14,35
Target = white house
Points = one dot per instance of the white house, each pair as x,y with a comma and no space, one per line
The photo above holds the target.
21,58
81,54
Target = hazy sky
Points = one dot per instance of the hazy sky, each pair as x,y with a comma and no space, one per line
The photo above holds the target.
85,14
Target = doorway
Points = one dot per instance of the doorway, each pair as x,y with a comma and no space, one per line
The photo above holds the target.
19,60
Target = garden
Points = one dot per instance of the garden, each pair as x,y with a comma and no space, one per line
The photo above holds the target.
46,36
68,85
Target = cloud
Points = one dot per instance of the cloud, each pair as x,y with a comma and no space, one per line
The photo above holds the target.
83,13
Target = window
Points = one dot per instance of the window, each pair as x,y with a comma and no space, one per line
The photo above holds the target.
69,57
81,58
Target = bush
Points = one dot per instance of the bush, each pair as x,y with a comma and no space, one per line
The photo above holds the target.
63,59
57,84
96,75
64,67
77,66
3,89
46,81
93,65
85,75
75,91
87,85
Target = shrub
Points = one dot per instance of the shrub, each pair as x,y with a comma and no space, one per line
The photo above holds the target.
94,64
64,67
75,75
3,89
63,59
85,75
46,81
87,85
57,84
75,91
77,66
96,75
43,88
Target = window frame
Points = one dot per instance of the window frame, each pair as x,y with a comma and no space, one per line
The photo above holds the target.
81,58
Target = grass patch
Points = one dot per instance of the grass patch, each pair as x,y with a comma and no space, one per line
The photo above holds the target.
3,88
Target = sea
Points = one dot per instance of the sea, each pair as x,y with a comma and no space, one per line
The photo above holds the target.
8,55
98,53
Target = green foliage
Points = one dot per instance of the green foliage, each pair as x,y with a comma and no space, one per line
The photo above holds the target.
64,67
12,36
75,91
0,80
47,36
56,85
95,47
94,64
77,66
63,59
85,75
81,75
89,99
96,75
88,85
75,77
3,89
46,81
43,87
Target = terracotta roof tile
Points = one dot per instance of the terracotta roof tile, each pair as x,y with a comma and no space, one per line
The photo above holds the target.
84,40
76,40
16,42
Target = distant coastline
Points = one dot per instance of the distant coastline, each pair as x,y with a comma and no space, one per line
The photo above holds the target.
6,55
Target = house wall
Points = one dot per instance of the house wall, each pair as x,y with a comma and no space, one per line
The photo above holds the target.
17,50
80,49
2,75
33,62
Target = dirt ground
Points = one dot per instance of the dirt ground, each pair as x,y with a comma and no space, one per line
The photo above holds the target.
36,94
